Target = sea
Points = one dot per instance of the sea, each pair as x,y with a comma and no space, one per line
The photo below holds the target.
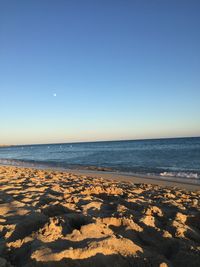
174,158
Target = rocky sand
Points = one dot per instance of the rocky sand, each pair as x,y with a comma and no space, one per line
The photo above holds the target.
54,218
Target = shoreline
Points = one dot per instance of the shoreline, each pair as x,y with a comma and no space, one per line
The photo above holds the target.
136,178
182,183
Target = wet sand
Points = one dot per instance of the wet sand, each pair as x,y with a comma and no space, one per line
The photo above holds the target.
189,184
56,218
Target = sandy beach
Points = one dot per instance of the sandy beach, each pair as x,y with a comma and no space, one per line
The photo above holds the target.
57,218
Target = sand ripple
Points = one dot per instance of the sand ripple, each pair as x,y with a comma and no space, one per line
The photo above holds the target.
50,218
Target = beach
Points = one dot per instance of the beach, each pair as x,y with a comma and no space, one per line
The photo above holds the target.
70,218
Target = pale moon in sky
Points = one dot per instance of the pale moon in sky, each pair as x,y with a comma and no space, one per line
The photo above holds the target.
54,94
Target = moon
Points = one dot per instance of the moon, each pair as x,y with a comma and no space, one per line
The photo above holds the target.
55,94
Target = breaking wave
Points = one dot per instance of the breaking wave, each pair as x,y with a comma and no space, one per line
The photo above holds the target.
190,175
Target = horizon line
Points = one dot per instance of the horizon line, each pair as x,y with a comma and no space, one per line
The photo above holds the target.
99,141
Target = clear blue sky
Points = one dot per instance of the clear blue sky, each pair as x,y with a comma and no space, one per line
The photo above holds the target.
119,69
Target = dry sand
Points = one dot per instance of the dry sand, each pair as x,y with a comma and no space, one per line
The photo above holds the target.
54,218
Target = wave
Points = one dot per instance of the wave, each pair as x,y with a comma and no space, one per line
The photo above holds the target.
190,175
17,162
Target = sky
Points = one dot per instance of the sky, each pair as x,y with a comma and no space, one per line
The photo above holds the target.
98,70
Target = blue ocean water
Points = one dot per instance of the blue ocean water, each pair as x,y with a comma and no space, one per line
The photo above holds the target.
177,157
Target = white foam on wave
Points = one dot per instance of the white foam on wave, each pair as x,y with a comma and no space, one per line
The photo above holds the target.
16,162
190,175
10,162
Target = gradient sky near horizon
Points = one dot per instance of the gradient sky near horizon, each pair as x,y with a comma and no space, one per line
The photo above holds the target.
98,70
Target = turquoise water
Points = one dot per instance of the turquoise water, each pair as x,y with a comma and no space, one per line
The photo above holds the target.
177,157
